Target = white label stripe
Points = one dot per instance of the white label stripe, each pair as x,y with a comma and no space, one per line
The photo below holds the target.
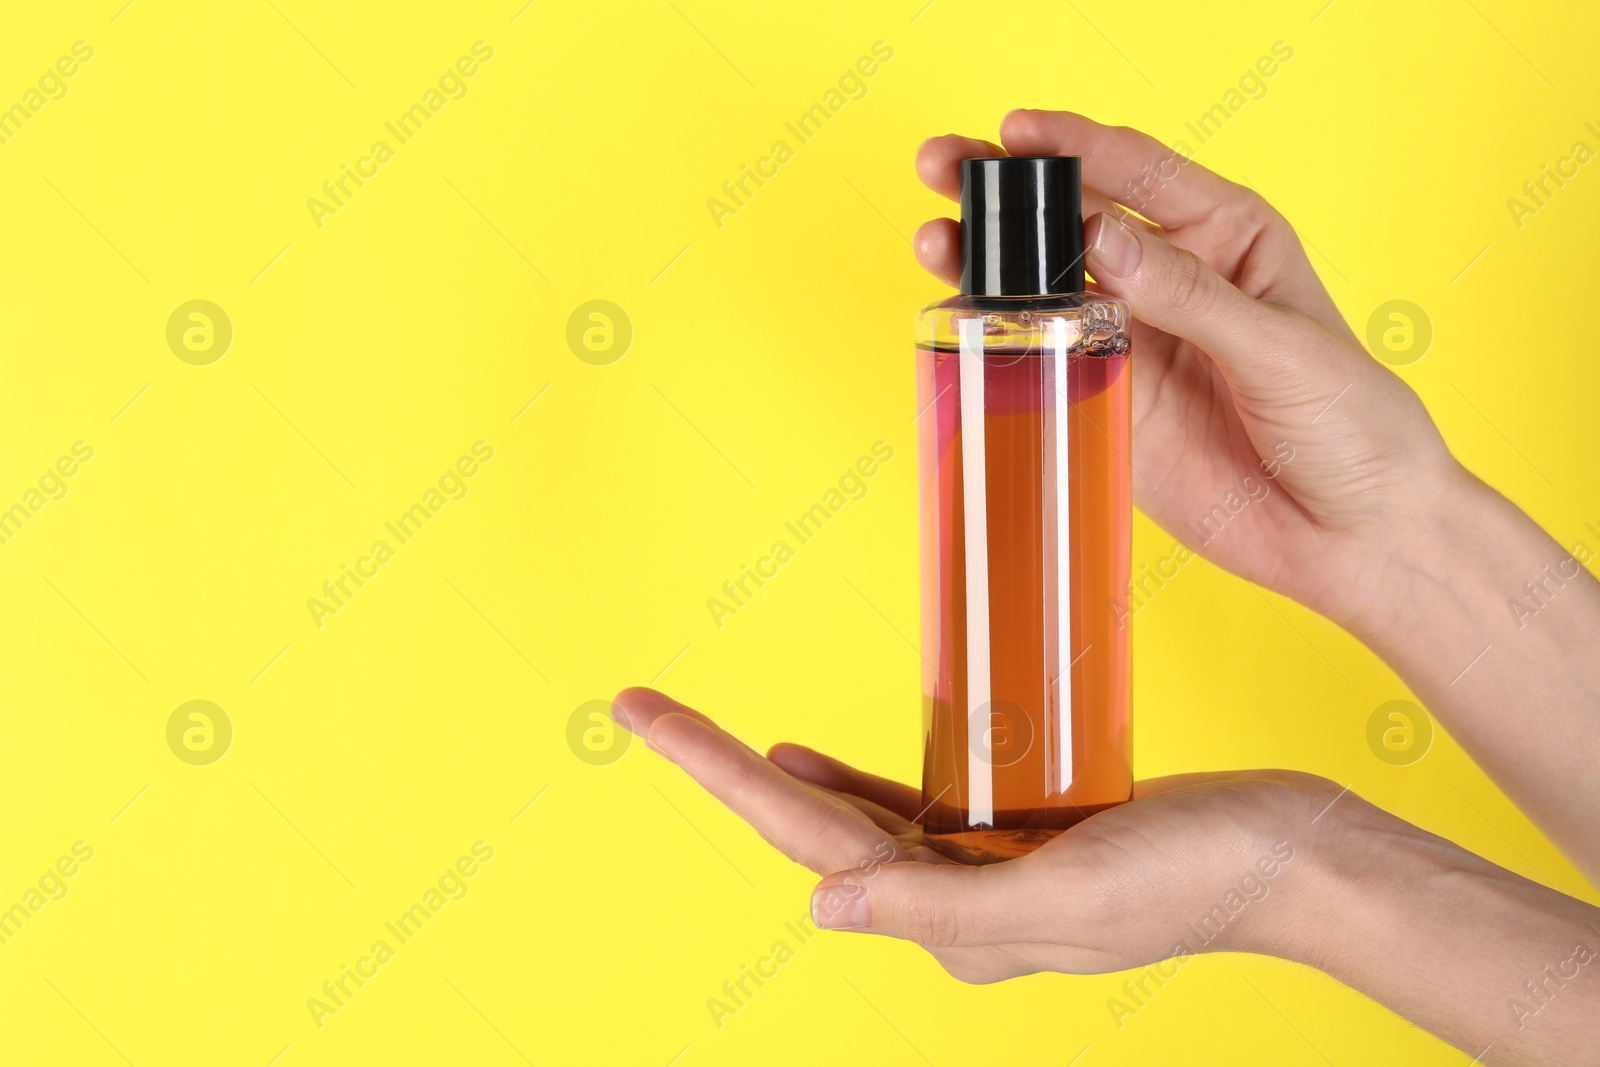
1062,490
975,515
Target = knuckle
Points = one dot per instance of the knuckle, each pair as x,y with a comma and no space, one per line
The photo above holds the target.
1251,216
929,923
1254,207
1189,288
1251,210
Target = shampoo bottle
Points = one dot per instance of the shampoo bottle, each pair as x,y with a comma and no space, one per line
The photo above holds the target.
1023,446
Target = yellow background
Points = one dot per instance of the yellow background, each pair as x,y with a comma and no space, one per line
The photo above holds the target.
369,754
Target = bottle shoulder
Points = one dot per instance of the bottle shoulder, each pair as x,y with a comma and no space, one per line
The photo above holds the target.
1059,303
1088,322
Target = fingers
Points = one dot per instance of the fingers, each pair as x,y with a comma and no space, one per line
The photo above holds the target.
939,906
830,773
938,248
1175,291
939,167
636,709
813,828
938,242
939,161
1128,167
889,822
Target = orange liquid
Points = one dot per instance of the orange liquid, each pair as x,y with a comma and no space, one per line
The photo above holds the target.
1026,726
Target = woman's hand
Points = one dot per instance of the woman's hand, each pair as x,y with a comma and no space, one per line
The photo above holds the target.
1269,441
1267,861
1265,437
1196,863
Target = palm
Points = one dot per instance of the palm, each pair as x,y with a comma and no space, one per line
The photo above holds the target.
1069,906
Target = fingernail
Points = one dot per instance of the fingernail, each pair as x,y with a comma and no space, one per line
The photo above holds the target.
1116,248
619,715
841,906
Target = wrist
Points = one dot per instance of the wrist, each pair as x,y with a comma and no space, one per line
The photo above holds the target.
1488,618
1321,863
1366,869
1367,883
1459,946
1270,891
1436,563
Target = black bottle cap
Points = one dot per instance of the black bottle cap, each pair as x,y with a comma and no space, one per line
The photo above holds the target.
1021,226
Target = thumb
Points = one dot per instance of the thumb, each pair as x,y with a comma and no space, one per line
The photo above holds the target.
935,905
1174,290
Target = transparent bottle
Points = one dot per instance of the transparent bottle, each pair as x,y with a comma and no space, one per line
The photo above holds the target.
1023,441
